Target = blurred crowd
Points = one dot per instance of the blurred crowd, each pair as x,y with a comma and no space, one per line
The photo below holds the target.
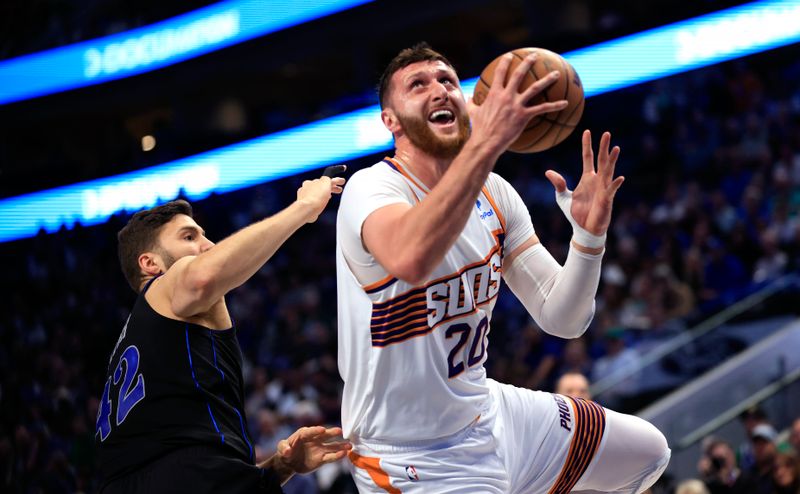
710,212
766,463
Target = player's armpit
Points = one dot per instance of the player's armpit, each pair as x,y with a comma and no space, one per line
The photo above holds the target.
180,290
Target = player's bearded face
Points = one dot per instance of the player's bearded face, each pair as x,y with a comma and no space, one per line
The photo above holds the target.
420,134
168,258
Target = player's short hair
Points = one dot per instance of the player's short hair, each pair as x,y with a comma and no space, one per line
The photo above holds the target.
141,235
421,52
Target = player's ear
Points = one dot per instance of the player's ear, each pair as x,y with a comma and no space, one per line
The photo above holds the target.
390,120
151,264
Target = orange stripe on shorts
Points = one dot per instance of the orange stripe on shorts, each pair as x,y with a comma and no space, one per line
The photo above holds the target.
373,468
589,424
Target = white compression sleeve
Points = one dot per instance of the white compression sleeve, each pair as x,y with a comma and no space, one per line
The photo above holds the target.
560,299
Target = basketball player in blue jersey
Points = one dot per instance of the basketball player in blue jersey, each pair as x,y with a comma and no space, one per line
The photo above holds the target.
424,239
171,418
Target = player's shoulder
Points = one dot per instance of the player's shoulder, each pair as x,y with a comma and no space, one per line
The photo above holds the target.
379,171
370,178
497,184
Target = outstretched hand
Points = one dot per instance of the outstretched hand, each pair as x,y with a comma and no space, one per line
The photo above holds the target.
592,199
308,448
316,193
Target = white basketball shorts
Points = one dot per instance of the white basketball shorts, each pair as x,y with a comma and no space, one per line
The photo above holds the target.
526,442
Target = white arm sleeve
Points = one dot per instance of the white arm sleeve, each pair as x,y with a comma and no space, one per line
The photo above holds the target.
560,299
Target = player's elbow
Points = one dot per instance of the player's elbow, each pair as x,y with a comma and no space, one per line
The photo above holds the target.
411,276
564,331
411,264
567,326
410,270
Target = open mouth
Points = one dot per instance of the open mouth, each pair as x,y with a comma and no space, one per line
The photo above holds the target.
442,117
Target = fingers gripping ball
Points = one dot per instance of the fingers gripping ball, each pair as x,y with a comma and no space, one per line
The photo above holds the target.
546,130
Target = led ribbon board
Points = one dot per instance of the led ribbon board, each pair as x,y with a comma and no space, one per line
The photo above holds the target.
634,59
155,46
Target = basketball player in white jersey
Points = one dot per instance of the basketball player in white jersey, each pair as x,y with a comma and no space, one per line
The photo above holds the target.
424,240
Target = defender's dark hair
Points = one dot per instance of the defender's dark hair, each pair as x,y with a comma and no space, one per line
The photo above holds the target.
421,52
140,235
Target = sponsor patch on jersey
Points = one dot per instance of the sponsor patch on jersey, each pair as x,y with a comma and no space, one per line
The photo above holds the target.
484,214
411,473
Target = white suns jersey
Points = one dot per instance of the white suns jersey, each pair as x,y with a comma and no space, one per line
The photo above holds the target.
412,356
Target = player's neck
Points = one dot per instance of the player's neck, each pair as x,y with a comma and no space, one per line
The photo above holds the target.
427,168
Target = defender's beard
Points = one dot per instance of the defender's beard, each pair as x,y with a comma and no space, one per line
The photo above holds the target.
168,259
423,137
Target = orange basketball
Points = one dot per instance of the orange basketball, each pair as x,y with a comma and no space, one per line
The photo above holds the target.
546,130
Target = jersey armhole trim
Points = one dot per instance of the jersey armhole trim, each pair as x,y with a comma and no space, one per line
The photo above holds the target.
491,200
380,284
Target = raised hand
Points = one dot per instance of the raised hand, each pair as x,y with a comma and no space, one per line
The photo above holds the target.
316,194
504,113
592,199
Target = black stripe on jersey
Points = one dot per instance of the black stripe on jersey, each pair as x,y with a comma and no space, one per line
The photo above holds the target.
399,322
389,333
383,286
390,304
416,305
197,385
403,337
241,420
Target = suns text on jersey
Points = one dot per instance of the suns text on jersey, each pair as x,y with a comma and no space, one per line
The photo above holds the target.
463,292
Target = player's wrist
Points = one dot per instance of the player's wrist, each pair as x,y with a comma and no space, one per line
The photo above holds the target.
486,146
592,251
307,209
280,467
580,236
584,238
